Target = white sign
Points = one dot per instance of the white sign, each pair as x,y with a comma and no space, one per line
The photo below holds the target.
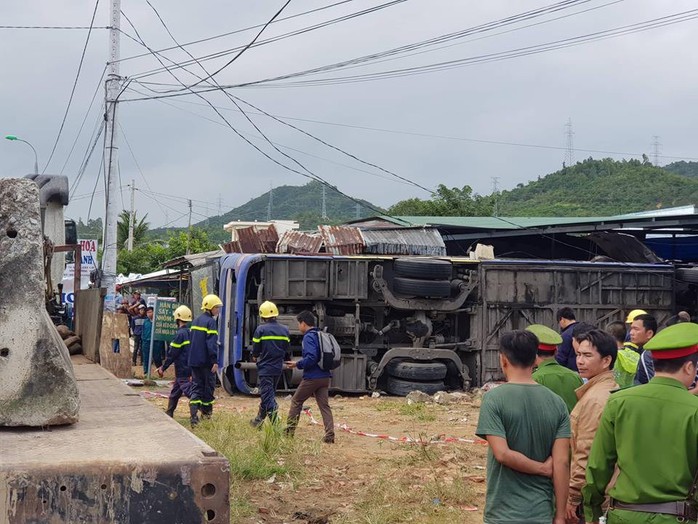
87,265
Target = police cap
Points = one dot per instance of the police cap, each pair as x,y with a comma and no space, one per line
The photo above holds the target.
548,339
676,341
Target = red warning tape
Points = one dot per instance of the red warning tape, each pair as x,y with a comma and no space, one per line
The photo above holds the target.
439,439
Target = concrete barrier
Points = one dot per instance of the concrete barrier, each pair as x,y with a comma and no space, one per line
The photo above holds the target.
37,382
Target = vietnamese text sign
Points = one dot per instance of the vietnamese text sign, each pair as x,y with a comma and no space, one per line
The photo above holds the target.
164,325
88,263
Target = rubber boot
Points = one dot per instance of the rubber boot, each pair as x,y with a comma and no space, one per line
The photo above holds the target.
193,415
206,412
171,406
259,419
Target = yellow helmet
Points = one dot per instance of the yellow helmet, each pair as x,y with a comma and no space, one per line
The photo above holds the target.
268,310
634,313
210,301
183,313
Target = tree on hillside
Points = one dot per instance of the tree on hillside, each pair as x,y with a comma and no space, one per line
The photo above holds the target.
140,229
446,202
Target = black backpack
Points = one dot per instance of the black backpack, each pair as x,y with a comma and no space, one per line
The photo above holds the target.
330,352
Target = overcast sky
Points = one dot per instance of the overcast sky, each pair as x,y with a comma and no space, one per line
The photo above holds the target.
618,92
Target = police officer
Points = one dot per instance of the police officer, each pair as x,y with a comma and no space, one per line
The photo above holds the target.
270,347
650,433
549,373
203,359
179,356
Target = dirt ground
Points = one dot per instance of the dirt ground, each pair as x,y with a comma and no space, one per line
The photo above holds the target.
362,478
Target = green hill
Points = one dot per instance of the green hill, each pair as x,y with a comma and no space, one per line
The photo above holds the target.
301,203
683,168
602,188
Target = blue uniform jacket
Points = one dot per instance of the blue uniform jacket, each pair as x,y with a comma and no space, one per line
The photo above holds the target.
645,368
270,345
203,349
565,355
179,353
311,356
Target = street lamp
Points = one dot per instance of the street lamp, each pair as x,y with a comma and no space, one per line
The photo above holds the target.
36,157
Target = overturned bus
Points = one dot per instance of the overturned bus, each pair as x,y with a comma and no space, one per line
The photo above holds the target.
419,323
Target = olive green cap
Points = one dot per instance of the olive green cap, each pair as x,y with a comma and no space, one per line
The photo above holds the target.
548,339
675,341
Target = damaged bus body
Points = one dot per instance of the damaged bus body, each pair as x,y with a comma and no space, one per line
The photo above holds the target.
419,323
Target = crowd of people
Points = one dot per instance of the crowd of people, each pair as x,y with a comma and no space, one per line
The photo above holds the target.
594,424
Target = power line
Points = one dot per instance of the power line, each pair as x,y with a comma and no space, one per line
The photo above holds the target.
309,173
208,39
87,27
242,51
75,84
89,108
274,39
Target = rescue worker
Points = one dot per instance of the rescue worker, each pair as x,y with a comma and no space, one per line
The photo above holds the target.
626,362
549,372
179,356
270,346
648,434
203,359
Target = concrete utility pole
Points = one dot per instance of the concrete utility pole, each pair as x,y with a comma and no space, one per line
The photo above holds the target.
111,152
270,205
495,193
324,202
132,216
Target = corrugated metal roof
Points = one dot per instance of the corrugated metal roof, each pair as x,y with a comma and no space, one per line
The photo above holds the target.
194,260
297,242
404,241
342,240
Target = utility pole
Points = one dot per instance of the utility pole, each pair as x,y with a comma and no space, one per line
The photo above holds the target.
189,232
656,150
495,194
111,150
569,143
324,202
132,216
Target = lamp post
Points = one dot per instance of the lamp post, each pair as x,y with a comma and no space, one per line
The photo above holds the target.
36,157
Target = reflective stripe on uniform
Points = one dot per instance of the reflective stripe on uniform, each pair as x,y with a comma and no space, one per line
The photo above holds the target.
175,345
195,402
271,337
207,331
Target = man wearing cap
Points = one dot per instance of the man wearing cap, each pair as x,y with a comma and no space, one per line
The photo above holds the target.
629,344
567,322
549,372
649,433
596,355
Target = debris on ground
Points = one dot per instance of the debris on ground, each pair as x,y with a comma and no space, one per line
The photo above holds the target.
418,397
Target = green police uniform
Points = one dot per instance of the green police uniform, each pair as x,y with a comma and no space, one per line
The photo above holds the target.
557,378
650,433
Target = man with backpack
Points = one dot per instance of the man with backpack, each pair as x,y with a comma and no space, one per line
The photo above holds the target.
316,380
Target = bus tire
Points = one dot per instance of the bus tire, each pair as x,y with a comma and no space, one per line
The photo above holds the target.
423,268
422,288
402,388
417,370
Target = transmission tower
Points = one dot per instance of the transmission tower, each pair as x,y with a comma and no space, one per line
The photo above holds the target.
358,211
656,150
495,193
569,143
324,202
270,205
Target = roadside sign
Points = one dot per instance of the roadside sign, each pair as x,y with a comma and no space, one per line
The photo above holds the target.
164,326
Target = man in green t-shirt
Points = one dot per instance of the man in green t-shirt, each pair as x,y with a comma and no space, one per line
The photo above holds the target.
527,428
549,373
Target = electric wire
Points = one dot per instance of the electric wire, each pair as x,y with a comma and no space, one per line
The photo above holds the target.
75,84
89,108
514,19
88,155
283,36
87,27
312,177
242,51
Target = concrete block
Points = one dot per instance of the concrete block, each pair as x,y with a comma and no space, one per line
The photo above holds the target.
37,382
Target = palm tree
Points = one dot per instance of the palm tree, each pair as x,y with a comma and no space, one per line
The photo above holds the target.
140,229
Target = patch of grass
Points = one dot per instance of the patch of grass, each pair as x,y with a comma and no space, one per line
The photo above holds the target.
418,411
253,454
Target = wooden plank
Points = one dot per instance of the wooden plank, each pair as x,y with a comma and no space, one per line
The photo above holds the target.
115,328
